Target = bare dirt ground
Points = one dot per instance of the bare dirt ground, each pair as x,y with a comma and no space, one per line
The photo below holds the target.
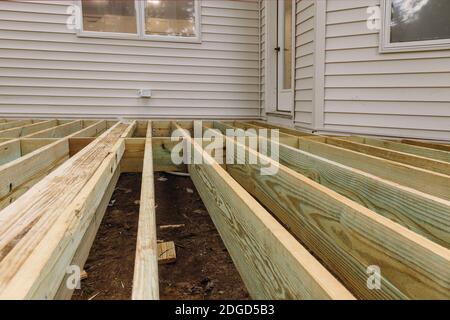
203,269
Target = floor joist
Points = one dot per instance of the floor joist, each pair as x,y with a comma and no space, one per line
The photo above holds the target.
347,237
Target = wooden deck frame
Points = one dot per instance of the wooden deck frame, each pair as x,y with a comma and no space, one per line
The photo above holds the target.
259,246
257,242
430,182
424,214
347,237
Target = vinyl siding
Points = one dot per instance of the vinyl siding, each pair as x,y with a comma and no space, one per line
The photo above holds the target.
46,70
304,63
390,94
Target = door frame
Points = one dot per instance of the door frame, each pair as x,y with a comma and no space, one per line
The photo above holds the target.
271,61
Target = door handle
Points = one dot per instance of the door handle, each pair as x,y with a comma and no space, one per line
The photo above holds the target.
277,49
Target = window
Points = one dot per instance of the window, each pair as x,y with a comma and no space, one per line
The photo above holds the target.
165,20
415,25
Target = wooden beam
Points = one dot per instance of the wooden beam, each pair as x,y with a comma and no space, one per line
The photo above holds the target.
426,215
94,130
437,146
281,128
18,176
28,129
145,279
53,217
9,151
397,156
162,147
272,264
60,131
347,237
14,124
82,253
426,181
402,147
77,144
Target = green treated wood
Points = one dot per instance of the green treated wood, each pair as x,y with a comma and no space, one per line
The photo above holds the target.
403,147
349,238
28,129
424,214
437,146
402,157
423,180
272,264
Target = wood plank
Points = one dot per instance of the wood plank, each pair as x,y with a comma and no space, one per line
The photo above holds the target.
60,131
402,157
424,214
82,253
14,124
18,176
53,218
403,147
94,130
77,144
166,252
348,238
162,147
145,279
281,128
426,181
28,129
9,151
437,146
272,264
29,145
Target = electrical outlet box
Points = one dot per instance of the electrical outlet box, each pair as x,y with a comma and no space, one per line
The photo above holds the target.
145,93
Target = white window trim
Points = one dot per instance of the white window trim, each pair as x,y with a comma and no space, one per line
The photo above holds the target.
140,35
385,35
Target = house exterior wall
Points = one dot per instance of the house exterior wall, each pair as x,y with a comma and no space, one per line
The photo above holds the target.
391,94
304,63
46,70
343,84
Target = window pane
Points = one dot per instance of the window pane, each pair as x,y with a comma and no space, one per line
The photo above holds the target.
287,81
416,20
109,16
170,18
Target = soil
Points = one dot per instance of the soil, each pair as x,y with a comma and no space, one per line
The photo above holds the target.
203,268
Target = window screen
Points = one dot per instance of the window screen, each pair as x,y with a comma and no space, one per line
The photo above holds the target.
419,20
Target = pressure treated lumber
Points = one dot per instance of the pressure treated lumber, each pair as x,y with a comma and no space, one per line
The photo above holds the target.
349,238
82,253
375,149
90,131
161,148
426,215
53,218
402,157
272,264
426,181
9,151
15,124
18,176
145,278
437,146
28,129
403,147
60,131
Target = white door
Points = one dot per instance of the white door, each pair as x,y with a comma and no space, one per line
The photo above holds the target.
285,49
